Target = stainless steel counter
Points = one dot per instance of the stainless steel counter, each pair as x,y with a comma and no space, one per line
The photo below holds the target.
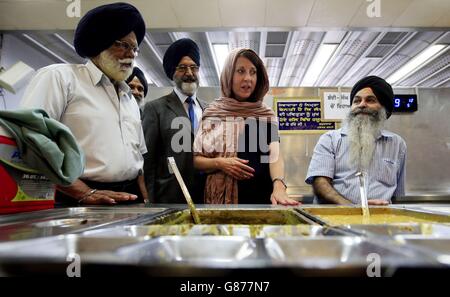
132,238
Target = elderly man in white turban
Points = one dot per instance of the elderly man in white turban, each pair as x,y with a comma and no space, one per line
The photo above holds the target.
95,102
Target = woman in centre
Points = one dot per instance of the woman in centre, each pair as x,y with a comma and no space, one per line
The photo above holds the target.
237,145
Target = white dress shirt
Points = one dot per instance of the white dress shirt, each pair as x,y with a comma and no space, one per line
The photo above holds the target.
197,108
107,126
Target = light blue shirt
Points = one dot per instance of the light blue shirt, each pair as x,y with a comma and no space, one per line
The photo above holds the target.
386,175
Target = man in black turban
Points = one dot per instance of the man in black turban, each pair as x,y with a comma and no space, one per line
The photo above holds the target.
94,101
138,85
102,26
361,145
380,88
170,123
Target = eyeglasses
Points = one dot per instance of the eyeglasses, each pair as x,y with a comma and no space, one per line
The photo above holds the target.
126,46
184,68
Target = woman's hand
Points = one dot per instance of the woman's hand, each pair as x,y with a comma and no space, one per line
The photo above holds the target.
235,167
279,196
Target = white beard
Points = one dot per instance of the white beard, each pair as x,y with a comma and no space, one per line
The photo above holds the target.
112,67
363,131
189,88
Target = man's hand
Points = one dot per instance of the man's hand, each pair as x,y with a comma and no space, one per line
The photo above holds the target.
377,202
107,197
84,195
235,167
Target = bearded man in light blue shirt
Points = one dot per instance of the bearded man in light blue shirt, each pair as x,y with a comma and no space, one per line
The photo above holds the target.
361,145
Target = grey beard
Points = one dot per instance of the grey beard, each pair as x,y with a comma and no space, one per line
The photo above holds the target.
363,131
189,88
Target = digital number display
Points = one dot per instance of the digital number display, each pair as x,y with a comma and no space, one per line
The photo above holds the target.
405,103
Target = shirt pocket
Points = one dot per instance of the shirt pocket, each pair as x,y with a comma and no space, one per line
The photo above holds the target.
386,172
132,132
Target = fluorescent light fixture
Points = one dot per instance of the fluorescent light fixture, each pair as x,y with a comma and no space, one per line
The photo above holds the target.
60,38
40,45
220,52
415,63
318,63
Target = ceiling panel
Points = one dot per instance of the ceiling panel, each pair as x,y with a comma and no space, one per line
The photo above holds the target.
288,12
353,59
191,14
406,52
35,15
439,64
238,13
302,47
329,13
444,20
286,33
176,14
158,13
350,51
274,68
437,79
422,13
244,39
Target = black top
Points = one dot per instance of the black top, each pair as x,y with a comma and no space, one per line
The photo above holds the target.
254,146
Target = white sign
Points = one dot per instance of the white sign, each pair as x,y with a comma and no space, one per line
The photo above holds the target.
336,105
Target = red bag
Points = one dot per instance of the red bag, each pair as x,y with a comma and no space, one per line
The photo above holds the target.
21,188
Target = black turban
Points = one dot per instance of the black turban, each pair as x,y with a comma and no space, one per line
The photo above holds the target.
380,88
101,26
176,51
140,75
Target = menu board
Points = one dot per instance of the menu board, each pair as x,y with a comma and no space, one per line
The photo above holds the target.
298,115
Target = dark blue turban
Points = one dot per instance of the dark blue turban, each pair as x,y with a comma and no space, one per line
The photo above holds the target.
101,26
381,88
176,51
140,75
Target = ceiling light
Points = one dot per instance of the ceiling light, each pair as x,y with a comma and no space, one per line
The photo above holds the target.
220,54
319,62
418,61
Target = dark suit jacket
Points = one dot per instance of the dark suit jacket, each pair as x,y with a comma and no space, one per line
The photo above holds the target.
157,119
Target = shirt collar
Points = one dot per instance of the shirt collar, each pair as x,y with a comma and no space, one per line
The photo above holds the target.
95,73
97,76
384,133
183,96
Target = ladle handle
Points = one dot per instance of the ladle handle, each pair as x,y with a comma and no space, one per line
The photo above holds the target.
186,194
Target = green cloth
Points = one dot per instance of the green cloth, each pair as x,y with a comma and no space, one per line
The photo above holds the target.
45,144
